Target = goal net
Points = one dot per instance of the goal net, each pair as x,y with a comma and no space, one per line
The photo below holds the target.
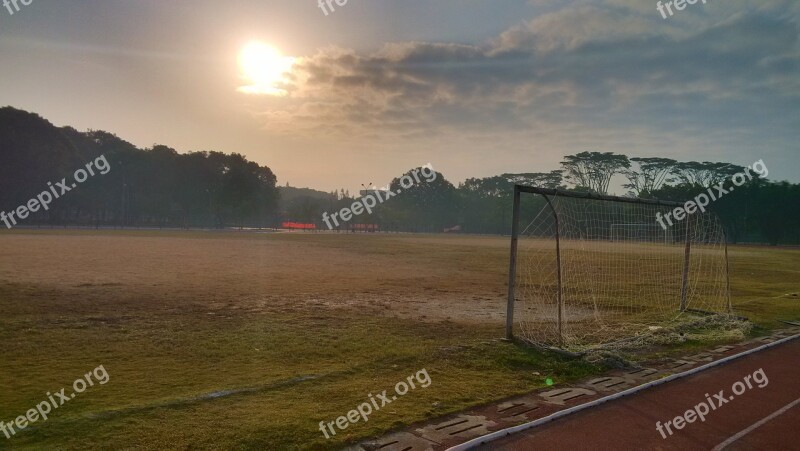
639,232
589,269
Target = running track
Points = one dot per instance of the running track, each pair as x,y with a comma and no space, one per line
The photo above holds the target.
759,419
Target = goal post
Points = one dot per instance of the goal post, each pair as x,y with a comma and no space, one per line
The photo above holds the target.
587,268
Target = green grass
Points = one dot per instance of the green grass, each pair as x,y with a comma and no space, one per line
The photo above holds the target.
766,285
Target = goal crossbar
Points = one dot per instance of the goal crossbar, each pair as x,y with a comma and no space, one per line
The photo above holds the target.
594,196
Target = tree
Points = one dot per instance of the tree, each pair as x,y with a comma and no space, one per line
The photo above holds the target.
32,152
593,170
155,186
704,174
550,179
427,205
772,213
489,187
652,174
484,203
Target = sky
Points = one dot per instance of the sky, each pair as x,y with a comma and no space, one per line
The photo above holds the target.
476,88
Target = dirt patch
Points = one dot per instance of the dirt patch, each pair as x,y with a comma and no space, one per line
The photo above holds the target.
426,278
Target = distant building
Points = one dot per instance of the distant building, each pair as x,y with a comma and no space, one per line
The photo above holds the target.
298,226
365,227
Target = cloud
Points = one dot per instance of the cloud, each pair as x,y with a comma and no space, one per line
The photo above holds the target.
596,71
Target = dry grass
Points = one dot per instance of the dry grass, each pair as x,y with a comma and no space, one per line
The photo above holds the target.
177,315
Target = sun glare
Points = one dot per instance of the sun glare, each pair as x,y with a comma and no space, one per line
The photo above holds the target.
264,68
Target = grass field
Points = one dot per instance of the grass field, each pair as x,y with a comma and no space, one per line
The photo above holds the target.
300,327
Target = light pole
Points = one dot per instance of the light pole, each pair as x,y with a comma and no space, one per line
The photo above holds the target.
366,190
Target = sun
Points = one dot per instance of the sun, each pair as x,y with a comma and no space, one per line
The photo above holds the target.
264,68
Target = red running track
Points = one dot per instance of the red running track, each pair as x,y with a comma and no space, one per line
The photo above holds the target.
765,418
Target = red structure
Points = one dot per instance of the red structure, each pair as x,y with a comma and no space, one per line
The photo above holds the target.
298,226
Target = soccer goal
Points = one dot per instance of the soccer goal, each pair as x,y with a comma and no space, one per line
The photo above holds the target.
639,232
589,269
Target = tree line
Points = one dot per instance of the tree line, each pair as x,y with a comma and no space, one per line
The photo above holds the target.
759,211
158,187
153,187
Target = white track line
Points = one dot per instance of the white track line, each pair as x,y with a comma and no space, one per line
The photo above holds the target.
755,426
508,431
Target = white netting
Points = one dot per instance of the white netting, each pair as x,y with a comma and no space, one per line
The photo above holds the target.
621,272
